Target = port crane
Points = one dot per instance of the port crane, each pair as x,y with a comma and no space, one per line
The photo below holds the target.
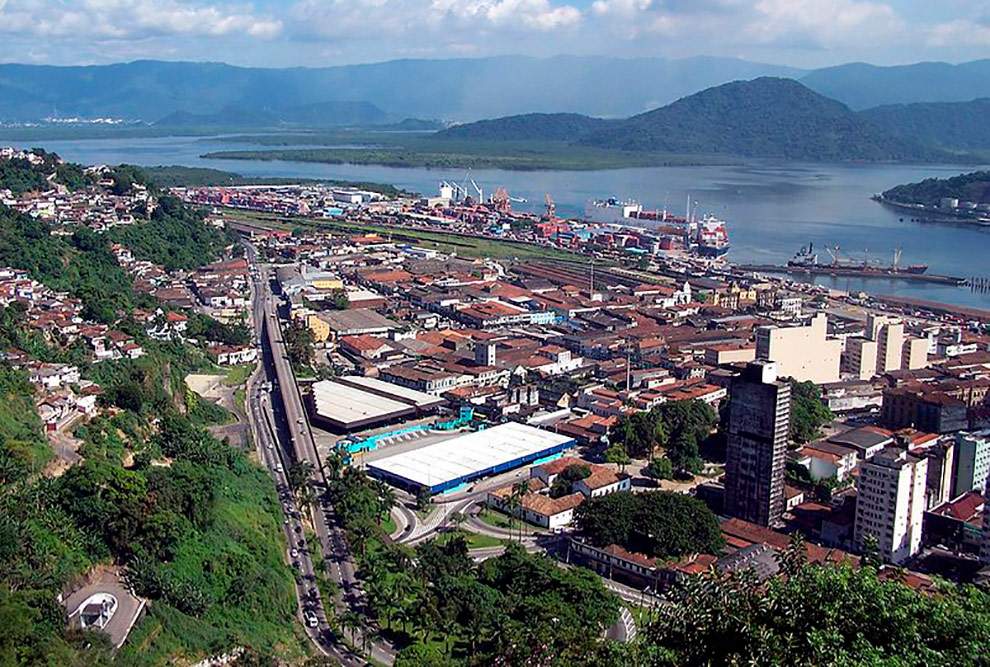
551,207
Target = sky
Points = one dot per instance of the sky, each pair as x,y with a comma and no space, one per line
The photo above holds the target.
315,33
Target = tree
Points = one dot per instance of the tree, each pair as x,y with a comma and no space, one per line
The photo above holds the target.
299,341
339,300
808,412
562,483
519,491
659,523
423,498
820,614
617,454
386,500
683,453
659,468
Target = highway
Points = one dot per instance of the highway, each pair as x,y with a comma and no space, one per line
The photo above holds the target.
283,434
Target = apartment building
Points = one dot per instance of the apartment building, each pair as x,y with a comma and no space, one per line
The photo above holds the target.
890,504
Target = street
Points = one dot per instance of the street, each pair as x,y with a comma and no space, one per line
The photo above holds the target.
283,435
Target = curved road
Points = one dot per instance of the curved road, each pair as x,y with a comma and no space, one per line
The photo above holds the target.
283,434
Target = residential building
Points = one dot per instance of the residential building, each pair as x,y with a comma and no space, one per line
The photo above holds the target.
890,504
972,462
860,358
889,335
759,421
802,352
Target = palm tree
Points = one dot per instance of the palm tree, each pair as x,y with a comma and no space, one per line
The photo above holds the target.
333,464
386,500
519,489
351,620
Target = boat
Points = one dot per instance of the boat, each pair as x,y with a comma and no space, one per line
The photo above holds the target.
806,258
713,237
611,210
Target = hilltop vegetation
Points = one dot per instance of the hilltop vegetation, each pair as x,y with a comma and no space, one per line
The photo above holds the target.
20,175
762,118
528,127
178,176
765,117
191,522
956,126
974,187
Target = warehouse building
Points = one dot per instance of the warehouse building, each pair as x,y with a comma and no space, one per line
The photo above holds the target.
449,464
354,402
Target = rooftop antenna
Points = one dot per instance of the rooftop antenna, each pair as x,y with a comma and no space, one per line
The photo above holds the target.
628,366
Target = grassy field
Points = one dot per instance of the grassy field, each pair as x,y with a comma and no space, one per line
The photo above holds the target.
448,154
497,519
388,525
474,540
235,376
463,246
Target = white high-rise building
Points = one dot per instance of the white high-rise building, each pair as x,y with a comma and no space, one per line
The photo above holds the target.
890,503
805,353
985,550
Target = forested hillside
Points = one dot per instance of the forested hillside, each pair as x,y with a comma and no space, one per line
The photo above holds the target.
191,522
973,187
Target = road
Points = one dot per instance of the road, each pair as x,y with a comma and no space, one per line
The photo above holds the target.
283,434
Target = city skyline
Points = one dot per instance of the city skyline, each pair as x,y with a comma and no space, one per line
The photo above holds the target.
803,33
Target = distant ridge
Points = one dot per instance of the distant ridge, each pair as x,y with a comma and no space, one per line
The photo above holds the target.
324,114
861,86
950,125
529,127
456,89
765,117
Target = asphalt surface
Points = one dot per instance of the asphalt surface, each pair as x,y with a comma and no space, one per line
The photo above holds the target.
283,434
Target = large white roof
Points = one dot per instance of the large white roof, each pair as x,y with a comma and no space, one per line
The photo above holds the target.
418,398
346,404
469,454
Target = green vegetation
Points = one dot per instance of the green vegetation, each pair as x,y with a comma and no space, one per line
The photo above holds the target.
23,449
190,521
464,246
818,615
765,117
680,427
528,127
175,176
174,237
658,523
81,264
435,601
299,341
21,176
496,519
436,153
958,126
808,412
974,186
472,540
562,483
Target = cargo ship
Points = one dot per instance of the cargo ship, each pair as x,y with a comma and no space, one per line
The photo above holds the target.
709,237
807,258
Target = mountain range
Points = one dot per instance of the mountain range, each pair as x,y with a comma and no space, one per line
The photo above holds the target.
322,114
455,89
764,117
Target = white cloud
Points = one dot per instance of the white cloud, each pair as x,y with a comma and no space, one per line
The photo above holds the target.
439,21
132,19
959,33
823,22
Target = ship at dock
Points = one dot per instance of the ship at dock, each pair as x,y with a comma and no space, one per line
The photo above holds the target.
708,236
807,258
